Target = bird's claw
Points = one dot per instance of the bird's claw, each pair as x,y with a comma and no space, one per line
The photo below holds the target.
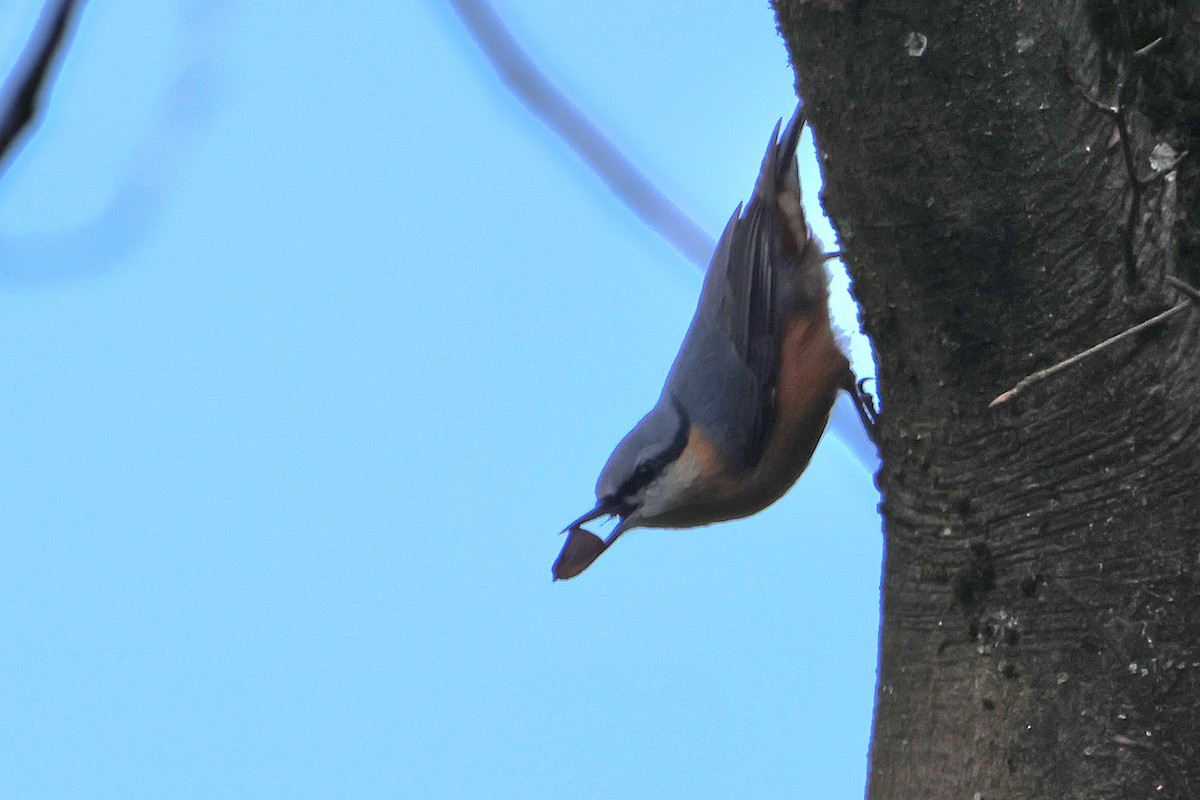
868,412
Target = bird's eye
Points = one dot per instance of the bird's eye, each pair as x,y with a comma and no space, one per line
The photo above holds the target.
643,471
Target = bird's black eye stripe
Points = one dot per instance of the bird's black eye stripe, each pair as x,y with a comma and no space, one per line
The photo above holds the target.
642,476
649,469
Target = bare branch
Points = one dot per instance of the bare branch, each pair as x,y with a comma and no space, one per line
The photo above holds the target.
1186,288
1042,374
543,99
21,103
1141,51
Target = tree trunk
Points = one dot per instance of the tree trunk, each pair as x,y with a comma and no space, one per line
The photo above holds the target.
1041,608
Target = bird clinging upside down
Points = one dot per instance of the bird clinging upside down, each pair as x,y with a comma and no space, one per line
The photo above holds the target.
750,392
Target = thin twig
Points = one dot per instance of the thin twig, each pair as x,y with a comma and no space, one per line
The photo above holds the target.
1141,51
1040,375
1186,288
531,86
20,104
1117,112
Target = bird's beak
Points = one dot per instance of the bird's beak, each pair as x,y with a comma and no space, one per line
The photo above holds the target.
601,510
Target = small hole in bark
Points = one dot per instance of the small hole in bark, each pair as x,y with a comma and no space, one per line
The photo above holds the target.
1030,584
1008,670
977,578
1011,636
988,704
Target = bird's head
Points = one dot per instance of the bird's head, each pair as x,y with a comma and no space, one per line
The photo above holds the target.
645,480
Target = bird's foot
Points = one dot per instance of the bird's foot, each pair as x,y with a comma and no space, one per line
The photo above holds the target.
864,404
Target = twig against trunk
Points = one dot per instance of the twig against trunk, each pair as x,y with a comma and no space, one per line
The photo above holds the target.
1141,51
1042,374
1117,112
1185,287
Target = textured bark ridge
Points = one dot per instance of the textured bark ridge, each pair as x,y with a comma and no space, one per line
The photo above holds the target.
1041,603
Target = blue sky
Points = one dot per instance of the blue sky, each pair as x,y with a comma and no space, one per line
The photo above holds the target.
313,341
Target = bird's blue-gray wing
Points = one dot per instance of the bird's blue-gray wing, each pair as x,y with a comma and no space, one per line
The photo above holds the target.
759,258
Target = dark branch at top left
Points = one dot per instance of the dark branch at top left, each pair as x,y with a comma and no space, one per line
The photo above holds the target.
30,80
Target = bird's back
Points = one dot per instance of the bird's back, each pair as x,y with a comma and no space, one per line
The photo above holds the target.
767,270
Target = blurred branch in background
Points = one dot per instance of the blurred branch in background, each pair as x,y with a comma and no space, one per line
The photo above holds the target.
186,107
543,99
20,101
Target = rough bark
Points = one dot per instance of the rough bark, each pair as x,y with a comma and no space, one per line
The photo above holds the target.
1041,604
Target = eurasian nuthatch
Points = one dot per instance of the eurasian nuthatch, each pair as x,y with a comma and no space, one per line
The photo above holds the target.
748,396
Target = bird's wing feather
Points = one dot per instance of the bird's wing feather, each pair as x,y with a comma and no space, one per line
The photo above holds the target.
759,250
